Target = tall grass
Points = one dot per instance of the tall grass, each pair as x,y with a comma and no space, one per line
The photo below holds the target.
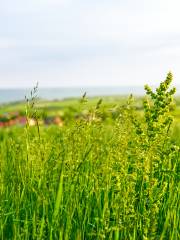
94,179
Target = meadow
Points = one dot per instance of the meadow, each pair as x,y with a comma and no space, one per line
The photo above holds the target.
110,172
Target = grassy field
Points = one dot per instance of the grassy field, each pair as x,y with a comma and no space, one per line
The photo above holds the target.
110,172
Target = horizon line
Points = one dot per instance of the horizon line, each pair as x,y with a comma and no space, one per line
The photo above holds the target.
83,86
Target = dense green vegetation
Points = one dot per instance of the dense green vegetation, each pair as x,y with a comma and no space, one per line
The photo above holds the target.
111,173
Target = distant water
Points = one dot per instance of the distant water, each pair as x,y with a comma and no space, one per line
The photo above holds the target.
12,95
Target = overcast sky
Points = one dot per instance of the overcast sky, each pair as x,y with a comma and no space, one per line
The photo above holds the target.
88,42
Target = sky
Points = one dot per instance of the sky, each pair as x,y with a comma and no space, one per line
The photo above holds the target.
88,42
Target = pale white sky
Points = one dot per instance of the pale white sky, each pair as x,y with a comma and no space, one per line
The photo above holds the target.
88,42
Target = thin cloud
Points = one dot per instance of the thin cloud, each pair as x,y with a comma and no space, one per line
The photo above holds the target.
61,42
